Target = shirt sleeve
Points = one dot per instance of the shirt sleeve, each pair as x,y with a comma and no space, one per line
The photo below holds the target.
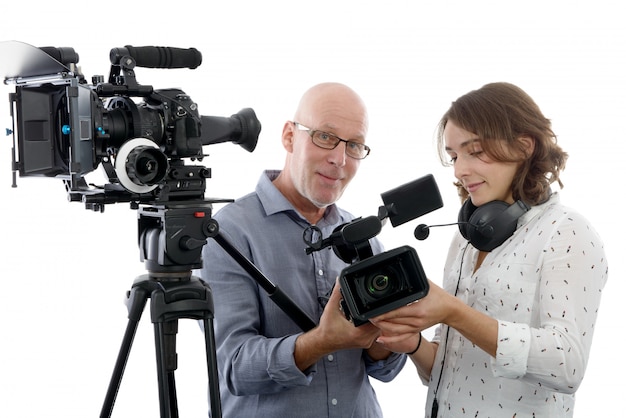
513,347
250,362
553,350
384,370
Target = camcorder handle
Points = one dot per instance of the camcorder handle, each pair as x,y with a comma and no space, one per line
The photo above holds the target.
355,232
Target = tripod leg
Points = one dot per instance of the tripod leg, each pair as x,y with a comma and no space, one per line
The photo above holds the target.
170,301
136,304
165,343
211,360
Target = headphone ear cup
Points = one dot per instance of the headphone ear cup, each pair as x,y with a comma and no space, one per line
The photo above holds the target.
489,227
465,213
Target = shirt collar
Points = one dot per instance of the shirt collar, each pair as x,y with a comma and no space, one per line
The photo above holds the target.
274,202
535,210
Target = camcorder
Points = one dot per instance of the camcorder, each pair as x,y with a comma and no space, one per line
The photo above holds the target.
66,127
374,284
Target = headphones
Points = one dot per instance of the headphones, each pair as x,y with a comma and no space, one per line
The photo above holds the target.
488,226
485,227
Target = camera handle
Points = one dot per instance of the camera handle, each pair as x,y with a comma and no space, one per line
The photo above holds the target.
349,241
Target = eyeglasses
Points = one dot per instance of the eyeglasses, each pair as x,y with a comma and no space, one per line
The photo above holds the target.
325,140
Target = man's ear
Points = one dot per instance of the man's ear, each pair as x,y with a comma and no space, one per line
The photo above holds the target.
289,130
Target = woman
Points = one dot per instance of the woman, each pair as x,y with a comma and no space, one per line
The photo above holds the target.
518,306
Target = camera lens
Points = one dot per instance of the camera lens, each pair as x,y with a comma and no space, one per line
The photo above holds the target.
379,285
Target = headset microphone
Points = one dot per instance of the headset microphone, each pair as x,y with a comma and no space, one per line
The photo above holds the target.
422,231
485,227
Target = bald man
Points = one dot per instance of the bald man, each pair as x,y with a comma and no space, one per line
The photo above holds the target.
268,366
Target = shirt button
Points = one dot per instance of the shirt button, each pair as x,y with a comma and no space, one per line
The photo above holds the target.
320,272
330,357
334,401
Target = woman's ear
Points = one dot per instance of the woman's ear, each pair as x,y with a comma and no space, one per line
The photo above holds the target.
527,145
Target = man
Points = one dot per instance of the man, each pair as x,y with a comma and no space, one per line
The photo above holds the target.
268,366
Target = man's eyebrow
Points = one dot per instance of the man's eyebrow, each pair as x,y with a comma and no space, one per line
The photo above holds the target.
330,129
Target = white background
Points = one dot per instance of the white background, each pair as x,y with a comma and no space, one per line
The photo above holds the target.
64,270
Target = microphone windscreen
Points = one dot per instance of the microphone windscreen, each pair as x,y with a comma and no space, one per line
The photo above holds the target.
421,232
411,200
361,230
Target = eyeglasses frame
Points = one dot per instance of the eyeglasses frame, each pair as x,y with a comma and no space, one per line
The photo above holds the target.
312,132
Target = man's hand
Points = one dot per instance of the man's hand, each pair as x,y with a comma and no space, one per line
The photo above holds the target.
333,333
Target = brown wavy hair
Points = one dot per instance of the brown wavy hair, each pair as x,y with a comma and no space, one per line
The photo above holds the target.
501,114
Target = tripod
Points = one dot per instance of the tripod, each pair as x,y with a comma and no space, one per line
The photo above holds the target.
171,299
171,237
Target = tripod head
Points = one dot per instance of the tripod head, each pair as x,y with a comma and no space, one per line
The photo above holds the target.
171,237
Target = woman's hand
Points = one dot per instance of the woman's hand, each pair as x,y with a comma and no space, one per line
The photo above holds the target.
401,327
438,307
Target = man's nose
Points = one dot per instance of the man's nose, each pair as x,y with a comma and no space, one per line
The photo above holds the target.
338,154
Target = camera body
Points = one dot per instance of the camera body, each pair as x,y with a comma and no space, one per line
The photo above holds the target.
140,136
382,283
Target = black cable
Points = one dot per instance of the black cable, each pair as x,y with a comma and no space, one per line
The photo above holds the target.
435,407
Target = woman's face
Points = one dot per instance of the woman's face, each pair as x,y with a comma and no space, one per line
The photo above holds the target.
484,179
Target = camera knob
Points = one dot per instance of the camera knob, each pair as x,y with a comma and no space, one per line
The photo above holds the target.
189,243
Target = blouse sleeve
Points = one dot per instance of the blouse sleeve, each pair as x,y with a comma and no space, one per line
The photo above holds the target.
554,349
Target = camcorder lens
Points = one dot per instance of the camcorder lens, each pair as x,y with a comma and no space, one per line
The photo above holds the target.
380,285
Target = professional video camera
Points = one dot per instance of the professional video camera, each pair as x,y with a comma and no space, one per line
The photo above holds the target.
66,128
373,285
